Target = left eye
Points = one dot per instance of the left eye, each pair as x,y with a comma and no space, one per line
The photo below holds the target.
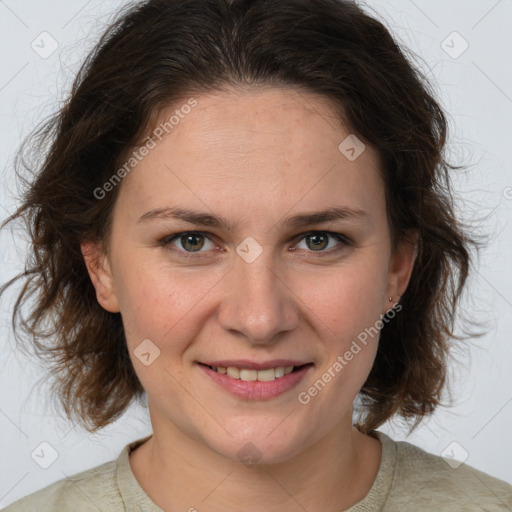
193,241
320,240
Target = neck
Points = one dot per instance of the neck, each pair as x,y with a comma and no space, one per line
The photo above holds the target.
179,472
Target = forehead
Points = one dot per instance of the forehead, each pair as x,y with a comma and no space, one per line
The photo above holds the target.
257,123
253,150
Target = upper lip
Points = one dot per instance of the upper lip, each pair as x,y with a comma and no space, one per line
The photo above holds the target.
253,365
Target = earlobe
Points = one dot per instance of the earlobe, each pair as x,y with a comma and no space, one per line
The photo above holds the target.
99,270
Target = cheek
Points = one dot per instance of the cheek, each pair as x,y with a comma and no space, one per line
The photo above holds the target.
345,308
163,307
159,303
345,301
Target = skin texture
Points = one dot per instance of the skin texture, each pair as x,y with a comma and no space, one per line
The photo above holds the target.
254,157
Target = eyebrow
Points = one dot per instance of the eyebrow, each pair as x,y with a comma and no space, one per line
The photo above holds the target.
295,221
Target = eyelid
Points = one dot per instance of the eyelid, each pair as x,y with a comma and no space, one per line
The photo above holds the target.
166,242
333,234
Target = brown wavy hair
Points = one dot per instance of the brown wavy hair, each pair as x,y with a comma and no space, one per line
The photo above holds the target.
155,53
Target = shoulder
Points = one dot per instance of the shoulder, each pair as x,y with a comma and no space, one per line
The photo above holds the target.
93,489
424,481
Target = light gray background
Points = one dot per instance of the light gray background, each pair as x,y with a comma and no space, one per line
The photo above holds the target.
476,90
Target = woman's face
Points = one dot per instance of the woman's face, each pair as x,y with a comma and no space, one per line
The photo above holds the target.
266,288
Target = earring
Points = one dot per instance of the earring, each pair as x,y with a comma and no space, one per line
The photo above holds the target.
390,299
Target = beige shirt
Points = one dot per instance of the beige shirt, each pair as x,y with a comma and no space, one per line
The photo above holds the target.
409,480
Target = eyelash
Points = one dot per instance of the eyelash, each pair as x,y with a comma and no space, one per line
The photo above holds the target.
166,241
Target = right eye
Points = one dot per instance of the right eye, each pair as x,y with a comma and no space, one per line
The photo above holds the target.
190,242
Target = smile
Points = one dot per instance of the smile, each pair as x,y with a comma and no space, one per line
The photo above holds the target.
252,384
252,375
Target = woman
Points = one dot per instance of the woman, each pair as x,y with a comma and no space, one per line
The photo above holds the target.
245,214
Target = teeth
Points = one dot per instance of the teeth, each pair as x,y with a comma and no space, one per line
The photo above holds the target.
249,374
253,375
279,372
233,372
262,375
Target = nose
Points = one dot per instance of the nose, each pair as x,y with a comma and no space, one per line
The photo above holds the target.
257,302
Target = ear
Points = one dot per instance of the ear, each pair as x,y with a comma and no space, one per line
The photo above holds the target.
400,268
98,267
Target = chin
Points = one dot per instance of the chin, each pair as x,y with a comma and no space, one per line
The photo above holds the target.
258,448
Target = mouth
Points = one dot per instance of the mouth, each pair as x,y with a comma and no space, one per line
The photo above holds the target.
266,381
253,374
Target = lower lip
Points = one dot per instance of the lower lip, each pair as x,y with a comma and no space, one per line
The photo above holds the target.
257,390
